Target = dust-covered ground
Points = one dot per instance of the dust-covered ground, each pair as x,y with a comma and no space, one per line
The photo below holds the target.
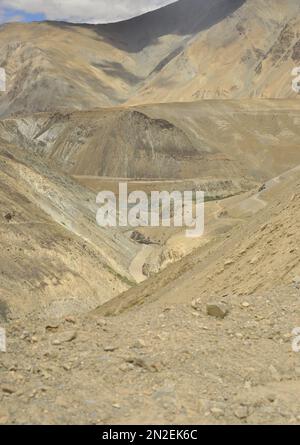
160,364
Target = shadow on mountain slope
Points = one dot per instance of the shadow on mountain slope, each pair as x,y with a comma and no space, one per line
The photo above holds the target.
185,17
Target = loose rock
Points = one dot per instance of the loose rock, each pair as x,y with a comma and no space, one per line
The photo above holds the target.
218,310
110,348
241,412
65,337
296,282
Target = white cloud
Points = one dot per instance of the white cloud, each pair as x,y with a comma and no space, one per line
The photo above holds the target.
89,11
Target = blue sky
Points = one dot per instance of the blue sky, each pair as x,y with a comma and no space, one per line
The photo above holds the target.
16,15
89,11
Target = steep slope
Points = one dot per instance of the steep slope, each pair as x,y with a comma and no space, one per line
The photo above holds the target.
144,364
105,62
186,51
257,255
54,258
116,143
251,53
262,136
40,77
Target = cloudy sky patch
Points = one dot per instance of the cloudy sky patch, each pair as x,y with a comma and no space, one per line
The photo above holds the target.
87,11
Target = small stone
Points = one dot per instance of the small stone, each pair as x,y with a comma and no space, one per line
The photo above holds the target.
126,367
205,328
271,397
110,348
196,314
229,262
287,337
101,322
24,335
51,327
246,304
296,282
145,364
13,368
218,412
8,389
197,304
70,320
44,373
2,340
66,367
254,260
218,310
241,412
139,344
9,216
65,337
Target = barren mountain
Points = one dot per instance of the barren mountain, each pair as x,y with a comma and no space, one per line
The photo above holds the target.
54,258
116,143
188,50
242,141
250,53
166,359
143,325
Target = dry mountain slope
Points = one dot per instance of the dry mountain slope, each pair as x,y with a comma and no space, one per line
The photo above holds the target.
105,63
251,53
54,259
261,136
233,141
143,365
112,142
60,274
188,50
260,254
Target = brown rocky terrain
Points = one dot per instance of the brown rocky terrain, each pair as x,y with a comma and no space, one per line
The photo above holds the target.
144,325
248,49
54,258
167,360
242,141
250,54
254,247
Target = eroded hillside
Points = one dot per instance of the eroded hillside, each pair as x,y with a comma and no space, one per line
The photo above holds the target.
143,364
237,141
54,258
185,51
144,325
259,252
250,54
